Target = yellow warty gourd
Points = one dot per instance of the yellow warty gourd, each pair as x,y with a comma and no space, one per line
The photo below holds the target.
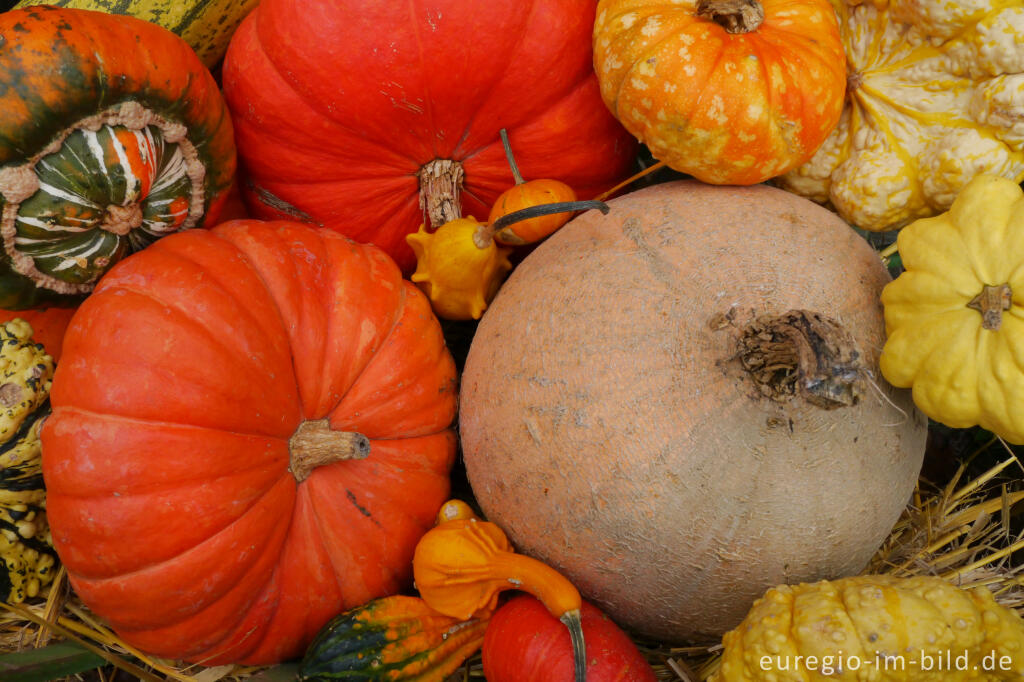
875,628
26,552
955,317
935,96
458,273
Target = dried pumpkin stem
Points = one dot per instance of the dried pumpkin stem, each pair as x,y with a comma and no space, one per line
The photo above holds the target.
735,16
440,187
314,444
485,233
991,303
802,353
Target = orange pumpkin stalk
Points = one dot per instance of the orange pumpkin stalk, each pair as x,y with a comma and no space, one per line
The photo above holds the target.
462,564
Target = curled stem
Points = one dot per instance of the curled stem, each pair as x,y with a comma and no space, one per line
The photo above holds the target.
573,621
484,235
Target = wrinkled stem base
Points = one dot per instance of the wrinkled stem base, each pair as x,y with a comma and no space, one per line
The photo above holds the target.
440,188
991,303
806,354
314,444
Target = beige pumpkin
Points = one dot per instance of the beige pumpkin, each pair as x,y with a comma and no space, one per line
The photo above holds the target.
678,405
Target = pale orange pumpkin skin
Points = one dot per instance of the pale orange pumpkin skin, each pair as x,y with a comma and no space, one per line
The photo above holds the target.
608,427
726,108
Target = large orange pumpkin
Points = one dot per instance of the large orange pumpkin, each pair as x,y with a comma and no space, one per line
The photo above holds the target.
729,91
208,390
392,111
677,405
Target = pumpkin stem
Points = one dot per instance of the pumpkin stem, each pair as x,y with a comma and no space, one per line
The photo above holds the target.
121,219
511,159
804,353
735,16
485,233
991,303
573,621
314,444
440,184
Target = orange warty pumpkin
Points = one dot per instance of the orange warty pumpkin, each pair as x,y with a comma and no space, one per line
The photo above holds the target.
729,91
249,435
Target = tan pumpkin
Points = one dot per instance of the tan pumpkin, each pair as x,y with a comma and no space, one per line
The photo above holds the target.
663,405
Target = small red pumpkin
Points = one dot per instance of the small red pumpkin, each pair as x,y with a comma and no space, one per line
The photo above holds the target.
364,117
525,643
207,389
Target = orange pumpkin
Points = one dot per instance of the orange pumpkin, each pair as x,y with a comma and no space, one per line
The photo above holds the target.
249,435
729,91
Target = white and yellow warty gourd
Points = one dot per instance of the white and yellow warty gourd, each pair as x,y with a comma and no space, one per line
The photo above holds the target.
935,96
875,628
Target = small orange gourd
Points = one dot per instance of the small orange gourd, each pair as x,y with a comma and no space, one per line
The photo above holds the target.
523,195
462,564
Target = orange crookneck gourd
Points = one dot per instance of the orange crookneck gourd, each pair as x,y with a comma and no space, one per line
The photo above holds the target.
462,564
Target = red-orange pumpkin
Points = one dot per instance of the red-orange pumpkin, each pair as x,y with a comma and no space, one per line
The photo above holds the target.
200,385
349,114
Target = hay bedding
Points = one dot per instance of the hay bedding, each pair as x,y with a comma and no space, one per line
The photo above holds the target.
963,529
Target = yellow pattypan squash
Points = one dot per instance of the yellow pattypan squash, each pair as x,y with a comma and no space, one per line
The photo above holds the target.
459,267
955,317
875,627
935,96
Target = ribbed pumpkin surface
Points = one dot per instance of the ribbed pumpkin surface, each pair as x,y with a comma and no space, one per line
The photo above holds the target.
184,378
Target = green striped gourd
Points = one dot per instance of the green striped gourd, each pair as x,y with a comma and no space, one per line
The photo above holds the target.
206,25
112,135
391,638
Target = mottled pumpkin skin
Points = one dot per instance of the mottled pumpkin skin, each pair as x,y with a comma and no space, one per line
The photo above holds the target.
338,105
183,378
726,108
60,67
609,428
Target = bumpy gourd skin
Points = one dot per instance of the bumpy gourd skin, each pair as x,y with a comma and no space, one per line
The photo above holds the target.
932,89
963,369
458,276
26,549
845,630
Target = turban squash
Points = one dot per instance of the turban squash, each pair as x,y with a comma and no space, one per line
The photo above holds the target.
350,114
249,435
112,135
